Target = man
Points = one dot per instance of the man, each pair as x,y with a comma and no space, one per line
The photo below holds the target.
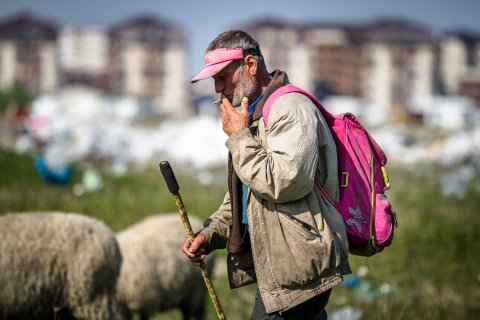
276,226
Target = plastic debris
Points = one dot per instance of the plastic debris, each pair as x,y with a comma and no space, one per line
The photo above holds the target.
355,280
23,143
351,282
345,313
386,289
362,271
366,291
363,289
59,175
103,129
91,182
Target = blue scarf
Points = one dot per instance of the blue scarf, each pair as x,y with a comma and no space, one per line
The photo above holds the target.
251,108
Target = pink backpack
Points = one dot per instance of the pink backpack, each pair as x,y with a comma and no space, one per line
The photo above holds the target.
369,218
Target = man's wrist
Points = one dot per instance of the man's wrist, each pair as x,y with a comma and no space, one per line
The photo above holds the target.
232,141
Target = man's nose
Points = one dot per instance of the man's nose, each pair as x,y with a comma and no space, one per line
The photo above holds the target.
219,85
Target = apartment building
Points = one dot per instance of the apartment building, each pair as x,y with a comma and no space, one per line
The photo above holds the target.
84,56
399,63
460,64
283,48
387,64
143,58
336,62
148,62
28,53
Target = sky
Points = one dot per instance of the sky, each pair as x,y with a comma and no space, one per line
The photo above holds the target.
202,20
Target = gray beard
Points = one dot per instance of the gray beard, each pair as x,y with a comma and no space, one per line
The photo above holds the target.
245,88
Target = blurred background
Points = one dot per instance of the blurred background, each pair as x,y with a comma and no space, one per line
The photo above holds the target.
93,96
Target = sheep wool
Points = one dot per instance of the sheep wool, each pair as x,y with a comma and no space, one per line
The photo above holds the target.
156,275
54,263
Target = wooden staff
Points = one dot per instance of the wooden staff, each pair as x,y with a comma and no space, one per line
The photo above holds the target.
173,187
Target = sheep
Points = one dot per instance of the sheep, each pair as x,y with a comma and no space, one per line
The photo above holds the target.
155,275
55,265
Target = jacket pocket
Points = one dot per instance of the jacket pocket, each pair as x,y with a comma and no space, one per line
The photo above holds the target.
298,252
303,228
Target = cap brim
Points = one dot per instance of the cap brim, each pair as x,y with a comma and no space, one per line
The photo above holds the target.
209,71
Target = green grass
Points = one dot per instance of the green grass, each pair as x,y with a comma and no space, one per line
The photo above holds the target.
122,201
433,264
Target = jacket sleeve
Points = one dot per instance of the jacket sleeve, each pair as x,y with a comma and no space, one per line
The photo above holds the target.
283,171
217,226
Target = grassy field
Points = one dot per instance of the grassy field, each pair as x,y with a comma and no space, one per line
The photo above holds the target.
431,271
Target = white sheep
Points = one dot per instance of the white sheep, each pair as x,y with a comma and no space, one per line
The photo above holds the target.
155,275
56,264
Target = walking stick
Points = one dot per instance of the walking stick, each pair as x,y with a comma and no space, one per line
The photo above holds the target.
173,187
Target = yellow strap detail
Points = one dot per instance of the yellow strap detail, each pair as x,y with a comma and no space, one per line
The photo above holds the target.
344,180
385,177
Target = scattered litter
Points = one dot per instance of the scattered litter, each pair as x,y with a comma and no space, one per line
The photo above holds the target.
59,175
56,158
363,289
198,142
366,292
355,280
55,164
351,282
23,143
345,313
91,182
362,271
386,289
105,131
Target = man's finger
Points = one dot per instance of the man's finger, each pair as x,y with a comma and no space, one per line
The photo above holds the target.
196,244
244,105
224,100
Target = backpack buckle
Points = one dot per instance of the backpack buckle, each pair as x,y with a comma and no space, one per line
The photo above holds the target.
344,180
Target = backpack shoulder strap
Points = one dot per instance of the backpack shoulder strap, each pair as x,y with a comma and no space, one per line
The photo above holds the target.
287,89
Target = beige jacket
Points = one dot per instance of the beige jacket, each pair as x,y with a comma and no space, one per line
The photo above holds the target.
298,240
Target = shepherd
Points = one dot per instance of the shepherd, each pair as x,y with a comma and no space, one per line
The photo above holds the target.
277,228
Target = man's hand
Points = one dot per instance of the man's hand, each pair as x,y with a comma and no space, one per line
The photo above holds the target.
232,120
195,251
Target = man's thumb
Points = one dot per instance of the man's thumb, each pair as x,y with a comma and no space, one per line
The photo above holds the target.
244,105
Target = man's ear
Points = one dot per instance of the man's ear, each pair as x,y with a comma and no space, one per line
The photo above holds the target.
252,65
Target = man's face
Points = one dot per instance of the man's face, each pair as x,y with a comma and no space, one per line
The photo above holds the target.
245,88
235,84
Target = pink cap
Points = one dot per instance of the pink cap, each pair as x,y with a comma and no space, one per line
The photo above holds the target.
216,60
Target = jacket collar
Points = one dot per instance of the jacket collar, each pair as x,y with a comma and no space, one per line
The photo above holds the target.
279,79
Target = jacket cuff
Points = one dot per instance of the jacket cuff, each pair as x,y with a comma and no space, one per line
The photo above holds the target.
215,241
232,142
208,233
